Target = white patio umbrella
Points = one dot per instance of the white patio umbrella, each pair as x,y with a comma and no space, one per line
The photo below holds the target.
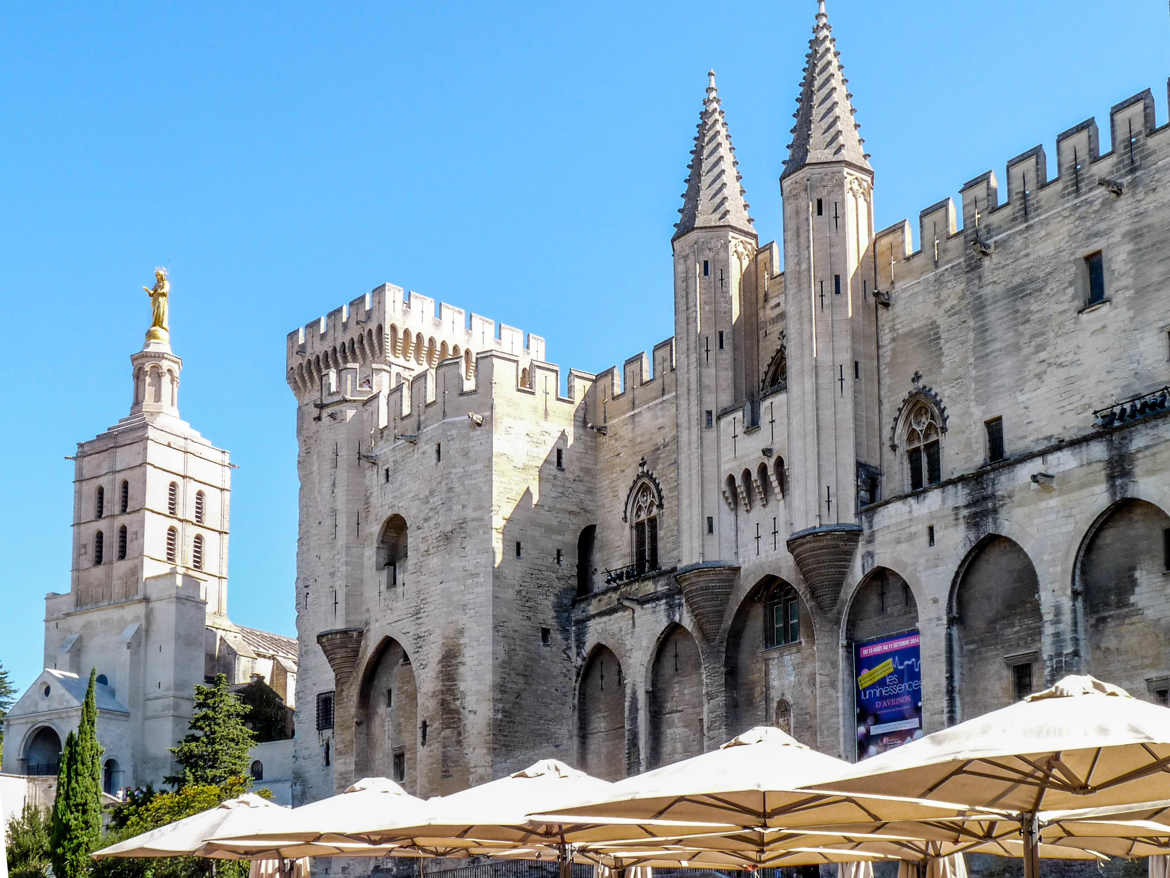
1080,744
189,837
754,781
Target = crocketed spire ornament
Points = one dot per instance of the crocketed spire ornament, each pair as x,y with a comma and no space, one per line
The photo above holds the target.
825,129
714,196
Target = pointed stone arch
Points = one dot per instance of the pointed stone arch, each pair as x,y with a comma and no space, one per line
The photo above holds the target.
601,715
386,720
758,671
1119,585
676,697
995,628
775,378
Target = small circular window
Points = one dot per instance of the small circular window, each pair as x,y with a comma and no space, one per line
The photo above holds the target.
45,692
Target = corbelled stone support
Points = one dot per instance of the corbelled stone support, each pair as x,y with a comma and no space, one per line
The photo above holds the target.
342,647
706,589
824,555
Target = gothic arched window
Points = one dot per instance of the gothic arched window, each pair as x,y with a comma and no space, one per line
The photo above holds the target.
99,502
124,502
644,528
776,375
923,449
173,498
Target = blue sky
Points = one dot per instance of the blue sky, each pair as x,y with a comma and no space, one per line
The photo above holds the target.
523,161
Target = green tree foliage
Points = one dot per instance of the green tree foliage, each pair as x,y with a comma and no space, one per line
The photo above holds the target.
76,822
7,696
27,844
215,749
268,716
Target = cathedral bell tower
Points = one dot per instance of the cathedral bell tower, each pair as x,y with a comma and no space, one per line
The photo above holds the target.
714,243
827,186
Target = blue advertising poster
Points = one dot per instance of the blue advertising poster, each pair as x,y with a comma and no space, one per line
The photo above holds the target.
888,671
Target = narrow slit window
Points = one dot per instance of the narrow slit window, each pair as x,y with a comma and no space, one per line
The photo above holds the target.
98,548
172,545
1166,549
820,207
560,458
560,557
1095,267
721,339
197,552
173,499
200,503
930,534
438,452
1022,680
994,439
836,284
545,636
124,503
99,502
399,765
710,419
518,549
711,525
706,268
122,540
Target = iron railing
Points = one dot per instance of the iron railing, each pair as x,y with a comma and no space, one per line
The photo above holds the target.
629,573
1134,408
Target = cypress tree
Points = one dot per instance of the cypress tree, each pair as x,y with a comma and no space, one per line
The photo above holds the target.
76,822
215,749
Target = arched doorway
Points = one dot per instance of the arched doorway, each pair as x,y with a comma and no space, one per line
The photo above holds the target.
111,777
387,732
391,562
770,676
601,716
995,654
42,753
676,698
1121,574
882,632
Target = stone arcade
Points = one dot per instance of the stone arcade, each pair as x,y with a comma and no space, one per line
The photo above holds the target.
961,447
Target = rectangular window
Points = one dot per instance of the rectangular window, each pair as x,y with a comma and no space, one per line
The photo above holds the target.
994,439
1162,697
438,452
1166,549
933,464
640,547
706,268
560,557
856,369
1022,680
837,284
560,458
930,535
545,636
517,548
914,460
711,525
324,711
652,544
721,339
710,419
389,698
399,765
1095,266
820,207
386,474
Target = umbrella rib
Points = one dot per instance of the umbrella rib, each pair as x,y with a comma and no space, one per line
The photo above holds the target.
1159,764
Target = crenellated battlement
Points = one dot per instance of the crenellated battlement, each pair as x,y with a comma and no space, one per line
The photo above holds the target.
946,234
640,380
399,329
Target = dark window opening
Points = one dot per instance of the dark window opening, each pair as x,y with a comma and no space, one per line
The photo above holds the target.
585,559
200,503
836,284
1166,549
256,770
706,268
1022,680
99,503
518,549
721,339
930,534
125,499
422,733
545,636
122,543
820,207
781,617
393,543
1096,269
933,464
1162,697
560,458
389,698
98,548
386,474
327,754
438,452
856,369
710,419
710,525
560,557
914,458
399,765
173,499
324,713
994,439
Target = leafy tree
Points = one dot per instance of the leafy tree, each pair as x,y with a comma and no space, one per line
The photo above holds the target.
268,715
7,696
76,822
215,749
27,843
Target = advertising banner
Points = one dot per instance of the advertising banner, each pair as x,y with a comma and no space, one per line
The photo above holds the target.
888,671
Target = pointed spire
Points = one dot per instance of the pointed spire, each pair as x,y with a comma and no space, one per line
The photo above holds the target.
825,129
714,196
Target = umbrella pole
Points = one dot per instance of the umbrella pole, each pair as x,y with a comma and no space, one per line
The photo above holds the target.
1029,832
422,870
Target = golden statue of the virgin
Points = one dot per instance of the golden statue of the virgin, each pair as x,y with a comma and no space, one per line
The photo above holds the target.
159,295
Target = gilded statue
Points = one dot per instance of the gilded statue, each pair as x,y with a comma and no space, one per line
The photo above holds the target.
159,295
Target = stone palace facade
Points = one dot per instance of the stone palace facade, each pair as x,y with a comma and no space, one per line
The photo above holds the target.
905,477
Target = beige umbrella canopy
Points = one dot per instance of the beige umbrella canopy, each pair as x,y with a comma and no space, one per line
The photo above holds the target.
753,781
1080,744
189,837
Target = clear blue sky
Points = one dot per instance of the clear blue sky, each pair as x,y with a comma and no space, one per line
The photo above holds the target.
523,161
